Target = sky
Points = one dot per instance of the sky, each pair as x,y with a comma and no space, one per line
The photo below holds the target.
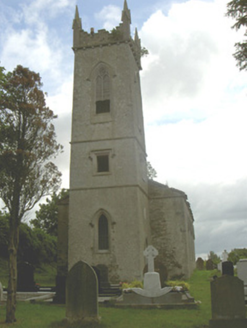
194,96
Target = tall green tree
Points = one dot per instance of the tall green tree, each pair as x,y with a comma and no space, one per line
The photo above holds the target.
27,146
47,215
236,254
214,257
237,9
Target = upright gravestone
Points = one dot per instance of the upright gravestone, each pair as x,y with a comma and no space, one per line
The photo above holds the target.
200,264
242,274
25,277
227,268
82,294
242,270
227,301
209,265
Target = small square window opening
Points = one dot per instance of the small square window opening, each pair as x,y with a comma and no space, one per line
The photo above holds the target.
103,163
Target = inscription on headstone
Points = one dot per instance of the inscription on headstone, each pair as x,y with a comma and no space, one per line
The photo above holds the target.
81,293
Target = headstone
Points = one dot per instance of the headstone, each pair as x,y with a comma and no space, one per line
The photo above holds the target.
224,256
200,264
242,270
227,268
209,265
242,274
227,302
25,277
82,294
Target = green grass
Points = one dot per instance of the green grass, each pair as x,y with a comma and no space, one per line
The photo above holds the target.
50,316
46,275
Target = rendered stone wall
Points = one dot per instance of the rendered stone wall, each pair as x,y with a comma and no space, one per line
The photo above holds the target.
124,258
171,223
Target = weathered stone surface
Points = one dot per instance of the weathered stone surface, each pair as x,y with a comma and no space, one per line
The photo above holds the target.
169,298
81,293
227,300
200,264
171,222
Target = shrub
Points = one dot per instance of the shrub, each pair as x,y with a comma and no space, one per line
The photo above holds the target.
183,286
133,284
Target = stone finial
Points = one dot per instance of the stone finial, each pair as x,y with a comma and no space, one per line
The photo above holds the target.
77,20
150,253
126,16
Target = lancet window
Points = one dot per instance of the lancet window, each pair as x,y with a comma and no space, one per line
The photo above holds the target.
102,91
103,233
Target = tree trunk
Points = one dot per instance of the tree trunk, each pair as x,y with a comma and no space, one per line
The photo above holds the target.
12,283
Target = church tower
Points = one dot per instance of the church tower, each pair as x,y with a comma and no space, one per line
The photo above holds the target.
108,217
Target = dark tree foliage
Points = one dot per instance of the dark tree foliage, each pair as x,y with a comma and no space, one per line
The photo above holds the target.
237,9
47,215
35,246
27,146
214,257
236,254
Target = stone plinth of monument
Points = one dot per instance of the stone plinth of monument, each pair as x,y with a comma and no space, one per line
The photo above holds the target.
152,293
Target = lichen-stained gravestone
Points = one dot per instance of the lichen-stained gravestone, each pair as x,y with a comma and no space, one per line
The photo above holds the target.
200,264
227,300
82,294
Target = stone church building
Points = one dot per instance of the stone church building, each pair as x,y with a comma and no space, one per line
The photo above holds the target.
114,211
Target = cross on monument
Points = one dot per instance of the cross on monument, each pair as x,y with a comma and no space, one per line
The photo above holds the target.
150,253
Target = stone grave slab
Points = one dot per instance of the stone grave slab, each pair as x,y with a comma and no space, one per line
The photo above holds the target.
227,303
82,294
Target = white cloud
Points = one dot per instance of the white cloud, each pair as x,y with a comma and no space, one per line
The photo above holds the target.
110,16
194,96
40,10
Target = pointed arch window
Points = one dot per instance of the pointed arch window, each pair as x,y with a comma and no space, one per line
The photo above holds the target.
102,91
103,233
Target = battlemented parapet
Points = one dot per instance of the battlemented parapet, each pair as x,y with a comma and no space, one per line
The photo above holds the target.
120,34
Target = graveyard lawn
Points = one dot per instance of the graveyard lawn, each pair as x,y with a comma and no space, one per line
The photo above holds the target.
43,315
